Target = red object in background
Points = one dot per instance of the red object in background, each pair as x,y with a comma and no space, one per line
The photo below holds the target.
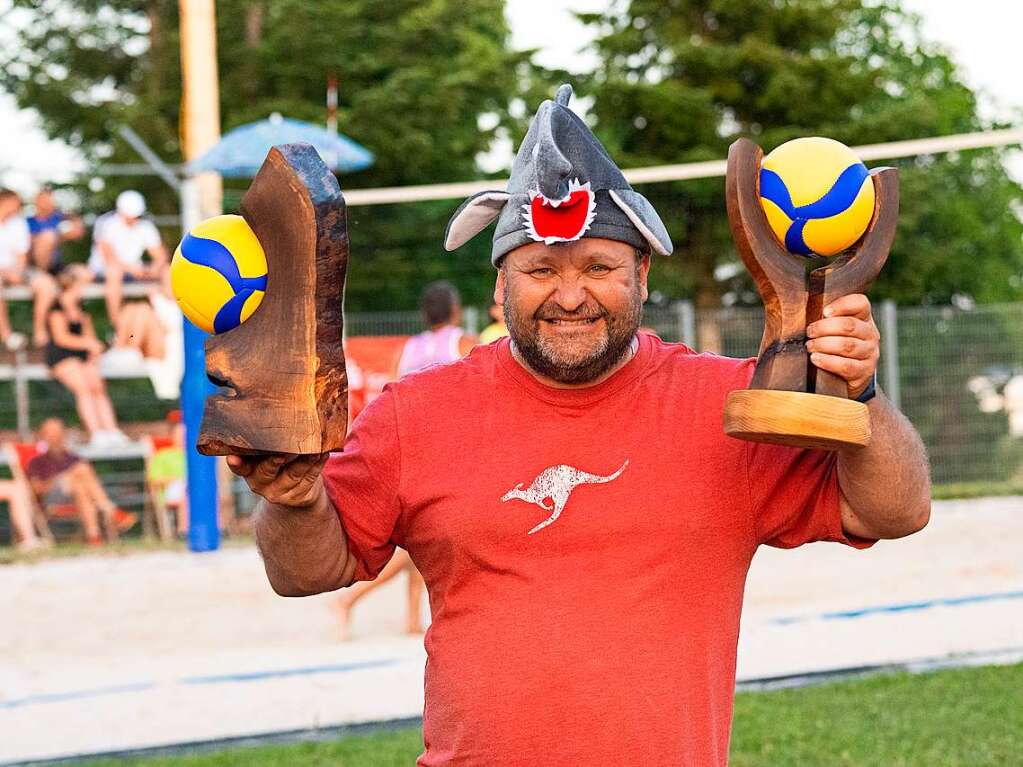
371,362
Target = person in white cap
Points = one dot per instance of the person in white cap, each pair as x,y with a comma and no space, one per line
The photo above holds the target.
120,239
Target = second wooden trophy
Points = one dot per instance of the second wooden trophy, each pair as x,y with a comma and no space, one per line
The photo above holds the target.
789,400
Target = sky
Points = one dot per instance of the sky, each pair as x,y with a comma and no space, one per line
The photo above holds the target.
981,35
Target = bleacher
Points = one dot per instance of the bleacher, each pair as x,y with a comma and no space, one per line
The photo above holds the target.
27,365
121,467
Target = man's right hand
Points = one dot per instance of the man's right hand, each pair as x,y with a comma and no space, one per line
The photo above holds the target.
283,479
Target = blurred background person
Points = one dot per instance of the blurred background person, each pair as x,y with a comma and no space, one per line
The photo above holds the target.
496,329
72,354
442,342
165,474
121,238
49,227
58,476
15,244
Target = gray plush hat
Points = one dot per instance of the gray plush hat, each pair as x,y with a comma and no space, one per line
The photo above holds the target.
563,186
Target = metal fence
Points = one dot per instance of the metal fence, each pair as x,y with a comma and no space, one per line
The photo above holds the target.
946,368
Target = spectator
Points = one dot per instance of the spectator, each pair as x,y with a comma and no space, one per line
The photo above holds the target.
150,334
72,354
59,476
19,501
443,341
49,227
165,472
496,329
15,243
120,240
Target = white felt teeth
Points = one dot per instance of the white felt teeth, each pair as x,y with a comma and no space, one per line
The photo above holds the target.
573,186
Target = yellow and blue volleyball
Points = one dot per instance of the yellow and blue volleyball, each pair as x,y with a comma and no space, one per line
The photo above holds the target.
218,273
818,196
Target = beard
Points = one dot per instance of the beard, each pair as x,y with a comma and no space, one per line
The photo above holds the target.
573,360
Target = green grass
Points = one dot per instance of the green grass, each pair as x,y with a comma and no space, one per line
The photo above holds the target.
123,548
965,490
958,718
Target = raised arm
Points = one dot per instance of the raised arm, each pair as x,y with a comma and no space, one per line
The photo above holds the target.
886,486
298,531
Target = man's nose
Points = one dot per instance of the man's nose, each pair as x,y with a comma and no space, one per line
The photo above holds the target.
571,294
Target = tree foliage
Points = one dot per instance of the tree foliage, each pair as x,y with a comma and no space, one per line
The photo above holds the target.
679,80
427,84
415,79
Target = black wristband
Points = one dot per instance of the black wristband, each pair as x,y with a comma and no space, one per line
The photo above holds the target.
870,392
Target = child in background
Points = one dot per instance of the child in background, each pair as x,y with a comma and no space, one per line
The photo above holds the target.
165,472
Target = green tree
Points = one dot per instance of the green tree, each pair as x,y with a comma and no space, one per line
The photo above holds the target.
415,80
679,80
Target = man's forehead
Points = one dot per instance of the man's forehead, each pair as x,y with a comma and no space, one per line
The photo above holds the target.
585,249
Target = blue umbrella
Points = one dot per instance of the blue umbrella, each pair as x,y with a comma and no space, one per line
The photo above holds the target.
240,153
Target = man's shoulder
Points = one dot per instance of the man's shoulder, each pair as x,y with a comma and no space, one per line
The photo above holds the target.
104,223
673,357
38,224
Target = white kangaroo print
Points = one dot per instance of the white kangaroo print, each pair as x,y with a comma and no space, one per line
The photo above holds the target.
551,488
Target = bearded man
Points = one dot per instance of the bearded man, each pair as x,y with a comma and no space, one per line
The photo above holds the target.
583,525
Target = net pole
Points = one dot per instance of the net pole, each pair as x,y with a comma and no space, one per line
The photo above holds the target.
201,197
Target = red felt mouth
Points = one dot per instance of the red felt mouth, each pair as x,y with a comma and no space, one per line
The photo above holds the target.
567,221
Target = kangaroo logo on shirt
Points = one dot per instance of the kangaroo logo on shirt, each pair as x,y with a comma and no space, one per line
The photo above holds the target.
552,487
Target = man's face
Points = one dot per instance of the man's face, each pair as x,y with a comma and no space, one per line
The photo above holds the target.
51,431
9,205
573,309
44,203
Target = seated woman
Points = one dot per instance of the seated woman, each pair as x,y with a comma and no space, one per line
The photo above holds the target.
72,354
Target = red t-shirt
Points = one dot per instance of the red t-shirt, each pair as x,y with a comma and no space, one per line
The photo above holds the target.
609,635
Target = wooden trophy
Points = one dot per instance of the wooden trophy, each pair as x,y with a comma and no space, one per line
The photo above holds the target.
790,401
284,367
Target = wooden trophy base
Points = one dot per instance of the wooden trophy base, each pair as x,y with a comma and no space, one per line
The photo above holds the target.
796,419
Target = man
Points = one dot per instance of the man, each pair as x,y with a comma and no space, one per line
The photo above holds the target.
120,239
58,476
583,525
49,227
15,243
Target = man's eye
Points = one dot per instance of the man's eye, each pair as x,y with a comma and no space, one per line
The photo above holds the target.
599,268
542,272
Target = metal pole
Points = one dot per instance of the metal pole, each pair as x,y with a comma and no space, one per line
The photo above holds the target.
471,320
200,198
686,318
21,396
890,351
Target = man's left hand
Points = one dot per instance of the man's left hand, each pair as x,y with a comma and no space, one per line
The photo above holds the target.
846,342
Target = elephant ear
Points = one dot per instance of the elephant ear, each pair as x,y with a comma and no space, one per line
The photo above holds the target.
643,216
473,216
